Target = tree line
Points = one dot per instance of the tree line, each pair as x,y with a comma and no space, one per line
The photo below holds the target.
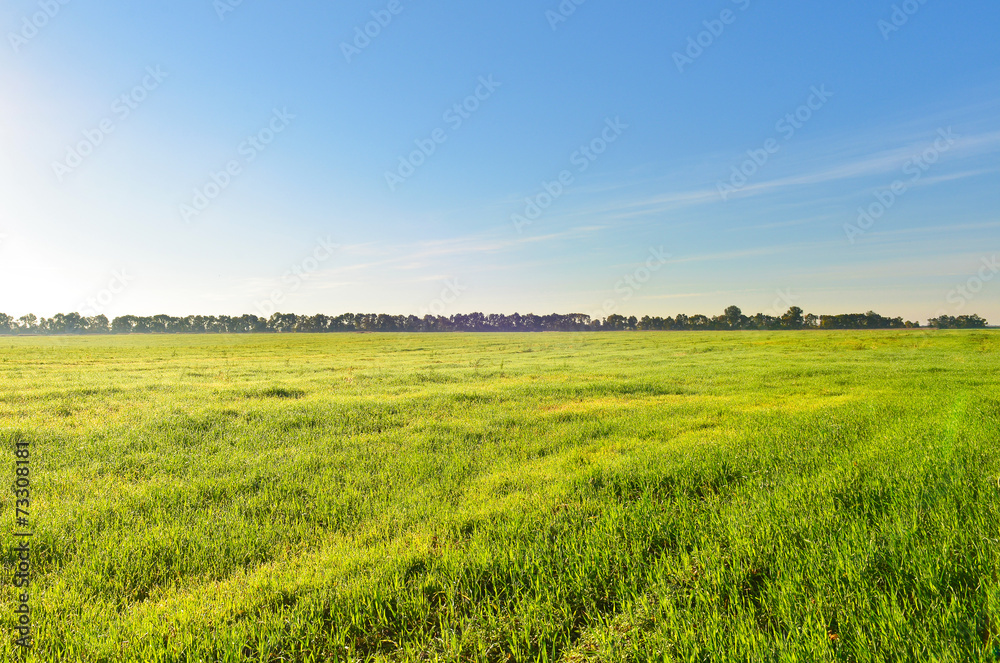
731,319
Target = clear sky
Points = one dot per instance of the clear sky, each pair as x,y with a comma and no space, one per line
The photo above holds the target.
199,157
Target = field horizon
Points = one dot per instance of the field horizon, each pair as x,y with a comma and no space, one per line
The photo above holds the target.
790,495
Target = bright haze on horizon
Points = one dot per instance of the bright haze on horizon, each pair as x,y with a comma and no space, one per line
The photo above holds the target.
391,156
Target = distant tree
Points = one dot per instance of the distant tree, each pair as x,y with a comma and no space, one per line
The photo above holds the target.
972,322
793,318
123,324
655,323
699,322
282,322
615,322
734,317
159,324
27,323
961,322
97,324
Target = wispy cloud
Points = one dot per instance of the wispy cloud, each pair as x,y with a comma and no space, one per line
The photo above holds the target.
420,255
836,164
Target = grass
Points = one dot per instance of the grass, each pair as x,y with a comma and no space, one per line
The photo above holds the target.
814,496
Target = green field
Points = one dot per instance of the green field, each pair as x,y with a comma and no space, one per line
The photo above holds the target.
786,496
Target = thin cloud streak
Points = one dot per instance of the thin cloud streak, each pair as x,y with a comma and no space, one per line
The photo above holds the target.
884,162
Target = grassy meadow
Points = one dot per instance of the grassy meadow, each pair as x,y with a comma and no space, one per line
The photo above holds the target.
759,496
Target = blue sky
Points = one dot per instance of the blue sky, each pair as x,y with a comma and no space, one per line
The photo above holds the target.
622,122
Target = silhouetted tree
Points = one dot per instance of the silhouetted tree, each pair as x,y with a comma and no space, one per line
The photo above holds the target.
793,318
